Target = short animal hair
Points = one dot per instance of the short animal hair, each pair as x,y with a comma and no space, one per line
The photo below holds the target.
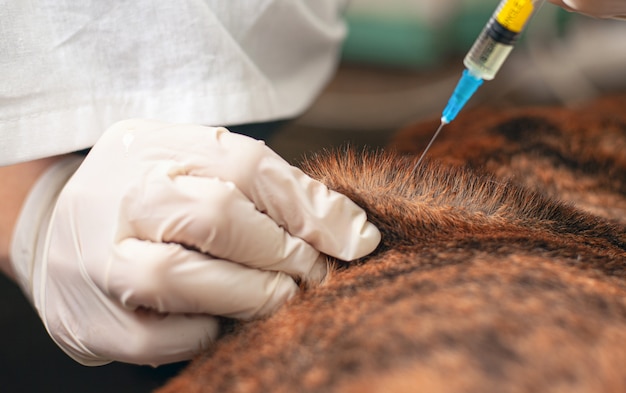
502,268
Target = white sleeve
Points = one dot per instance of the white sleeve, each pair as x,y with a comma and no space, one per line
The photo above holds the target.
71,68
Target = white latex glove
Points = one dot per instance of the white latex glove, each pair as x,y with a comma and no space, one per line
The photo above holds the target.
186,220
596,8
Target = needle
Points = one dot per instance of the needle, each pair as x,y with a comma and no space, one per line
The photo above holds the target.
443,123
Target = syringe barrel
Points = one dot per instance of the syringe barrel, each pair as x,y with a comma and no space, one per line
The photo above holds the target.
495,42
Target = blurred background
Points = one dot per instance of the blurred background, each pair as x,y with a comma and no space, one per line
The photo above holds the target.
402,59
400,63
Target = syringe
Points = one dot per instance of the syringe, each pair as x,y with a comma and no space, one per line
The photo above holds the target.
490,50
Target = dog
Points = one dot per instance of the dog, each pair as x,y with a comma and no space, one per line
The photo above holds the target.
502,267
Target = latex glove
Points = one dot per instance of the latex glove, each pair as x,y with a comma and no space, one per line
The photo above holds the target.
597,8
186,220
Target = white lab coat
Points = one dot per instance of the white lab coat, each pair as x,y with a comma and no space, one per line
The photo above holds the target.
71,68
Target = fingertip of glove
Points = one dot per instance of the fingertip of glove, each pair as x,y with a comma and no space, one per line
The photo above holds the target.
318,272
283,289
366,241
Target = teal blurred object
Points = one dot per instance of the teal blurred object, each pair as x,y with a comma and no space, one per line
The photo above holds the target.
404,41
407,41
466,25
395,42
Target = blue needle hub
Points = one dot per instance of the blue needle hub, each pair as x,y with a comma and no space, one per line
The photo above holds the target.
467,86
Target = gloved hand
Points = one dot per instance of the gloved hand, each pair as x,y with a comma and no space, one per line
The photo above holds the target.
185,220
597,8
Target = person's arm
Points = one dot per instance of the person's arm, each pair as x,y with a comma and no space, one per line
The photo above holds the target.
595,8
16,181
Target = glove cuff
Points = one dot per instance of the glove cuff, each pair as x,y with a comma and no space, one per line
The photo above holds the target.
32,224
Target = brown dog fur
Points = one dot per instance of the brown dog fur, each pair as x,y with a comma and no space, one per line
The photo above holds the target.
485,281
